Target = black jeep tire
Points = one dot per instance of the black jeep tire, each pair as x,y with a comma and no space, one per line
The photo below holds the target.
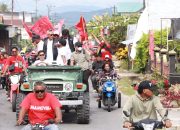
83,111
119,100
20,97
14,96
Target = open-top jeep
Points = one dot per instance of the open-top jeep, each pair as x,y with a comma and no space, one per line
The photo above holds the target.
65,82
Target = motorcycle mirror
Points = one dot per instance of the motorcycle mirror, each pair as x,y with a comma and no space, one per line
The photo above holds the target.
166,114
126,114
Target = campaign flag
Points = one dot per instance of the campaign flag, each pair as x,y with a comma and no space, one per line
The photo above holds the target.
81,27
28,29
151,44
42,26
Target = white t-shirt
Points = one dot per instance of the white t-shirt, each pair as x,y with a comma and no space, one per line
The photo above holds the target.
40,46
41,63
49,56
68,50
61,52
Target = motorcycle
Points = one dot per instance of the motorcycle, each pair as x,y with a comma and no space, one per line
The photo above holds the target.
109,95
15,81
146,124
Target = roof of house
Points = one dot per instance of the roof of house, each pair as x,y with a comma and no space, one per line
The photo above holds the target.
129,7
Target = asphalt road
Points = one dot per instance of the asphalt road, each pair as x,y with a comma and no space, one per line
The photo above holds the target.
100,119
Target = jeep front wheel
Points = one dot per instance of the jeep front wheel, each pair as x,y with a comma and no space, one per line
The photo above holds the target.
83,111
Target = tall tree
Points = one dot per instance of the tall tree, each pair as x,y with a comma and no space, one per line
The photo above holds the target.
4,7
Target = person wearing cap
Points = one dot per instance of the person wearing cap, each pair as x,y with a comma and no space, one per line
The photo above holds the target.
109,60
50,47
144,105
69,44
37,42
81,58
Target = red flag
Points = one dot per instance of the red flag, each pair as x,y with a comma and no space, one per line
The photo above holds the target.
81,27
42,26
151,44
28,29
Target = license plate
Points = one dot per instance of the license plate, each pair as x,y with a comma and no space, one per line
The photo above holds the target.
55,87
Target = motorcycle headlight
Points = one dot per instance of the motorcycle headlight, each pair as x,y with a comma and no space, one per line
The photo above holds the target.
68,87
108,89
15,79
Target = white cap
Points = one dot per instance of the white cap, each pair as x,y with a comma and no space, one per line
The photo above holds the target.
56,32
106,56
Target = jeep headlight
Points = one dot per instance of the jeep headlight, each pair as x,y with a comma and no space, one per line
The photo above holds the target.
68,87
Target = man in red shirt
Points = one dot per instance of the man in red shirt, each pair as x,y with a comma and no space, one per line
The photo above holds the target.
17,61
41,107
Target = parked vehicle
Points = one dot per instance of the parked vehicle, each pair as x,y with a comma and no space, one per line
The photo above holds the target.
109,94
146,124
65,82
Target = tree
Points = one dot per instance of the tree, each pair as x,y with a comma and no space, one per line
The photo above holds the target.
3,7
117,27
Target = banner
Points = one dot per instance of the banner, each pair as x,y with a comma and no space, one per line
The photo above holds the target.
151,44
42,26
58,27
81,27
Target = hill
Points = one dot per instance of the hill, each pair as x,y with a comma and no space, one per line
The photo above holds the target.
71,18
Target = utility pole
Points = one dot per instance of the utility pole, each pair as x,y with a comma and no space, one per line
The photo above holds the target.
49,9
36,10
12,11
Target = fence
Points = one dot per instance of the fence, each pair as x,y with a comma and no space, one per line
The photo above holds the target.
167,64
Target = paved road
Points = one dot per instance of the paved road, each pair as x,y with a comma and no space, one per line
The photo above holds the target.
100,119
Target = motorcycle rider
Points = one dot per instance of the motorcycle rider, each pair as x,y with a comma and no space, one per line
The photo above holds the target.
96,69
41,107
144,105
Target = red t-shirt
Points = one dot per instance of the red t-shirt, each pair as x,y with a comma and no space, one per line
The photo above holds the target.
40,110
18,61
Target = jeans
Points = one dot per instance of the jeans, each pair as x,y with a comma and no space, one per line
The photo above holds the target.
48,127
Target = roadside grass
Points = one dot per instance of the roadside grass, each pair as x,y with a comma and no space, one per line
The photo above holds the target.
125,86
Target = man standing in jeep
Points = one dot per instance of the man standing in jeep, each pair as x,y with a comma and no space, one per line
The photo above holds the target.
81,58
43,108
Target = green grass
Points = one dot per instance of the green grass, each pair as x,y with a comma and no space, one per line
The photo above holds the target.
125,86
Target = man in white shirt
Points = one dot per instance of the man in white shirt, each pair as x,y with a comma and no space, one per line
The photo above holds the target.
69,44
49,47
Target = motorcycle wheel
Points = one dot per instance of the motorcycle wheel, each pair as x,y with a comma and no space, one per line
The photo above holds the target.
109,104
119,100
14,95
99,104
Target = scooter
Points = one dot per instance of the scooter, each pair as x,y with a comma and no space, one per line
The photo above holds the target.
146,124
109,95
14,89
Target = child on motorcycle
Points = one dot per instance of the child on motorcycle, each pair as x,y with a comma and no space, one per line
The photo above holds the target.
144,105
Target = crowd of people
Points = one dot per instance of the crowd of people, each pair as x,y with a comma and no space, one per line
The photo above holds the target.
64,51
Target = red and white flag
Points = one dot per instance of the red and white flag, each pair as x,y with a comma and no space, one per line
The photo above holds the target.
28,29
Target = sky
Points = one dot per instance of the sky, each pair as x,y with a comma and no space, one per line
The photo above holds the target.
30,5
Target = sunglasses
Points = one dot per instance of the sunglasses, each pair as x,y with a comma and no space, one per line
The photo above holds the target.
39,91
41,55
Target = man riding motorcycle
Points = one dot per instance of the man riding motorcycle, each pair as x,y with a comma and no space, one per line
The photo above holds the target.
43,109
15,64
144,105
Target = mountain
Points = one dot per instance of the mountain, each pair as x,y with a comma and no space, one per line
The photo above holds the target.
71,18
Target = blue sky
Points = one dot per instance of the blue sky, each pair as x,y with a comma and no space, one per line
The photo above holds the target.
29,5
